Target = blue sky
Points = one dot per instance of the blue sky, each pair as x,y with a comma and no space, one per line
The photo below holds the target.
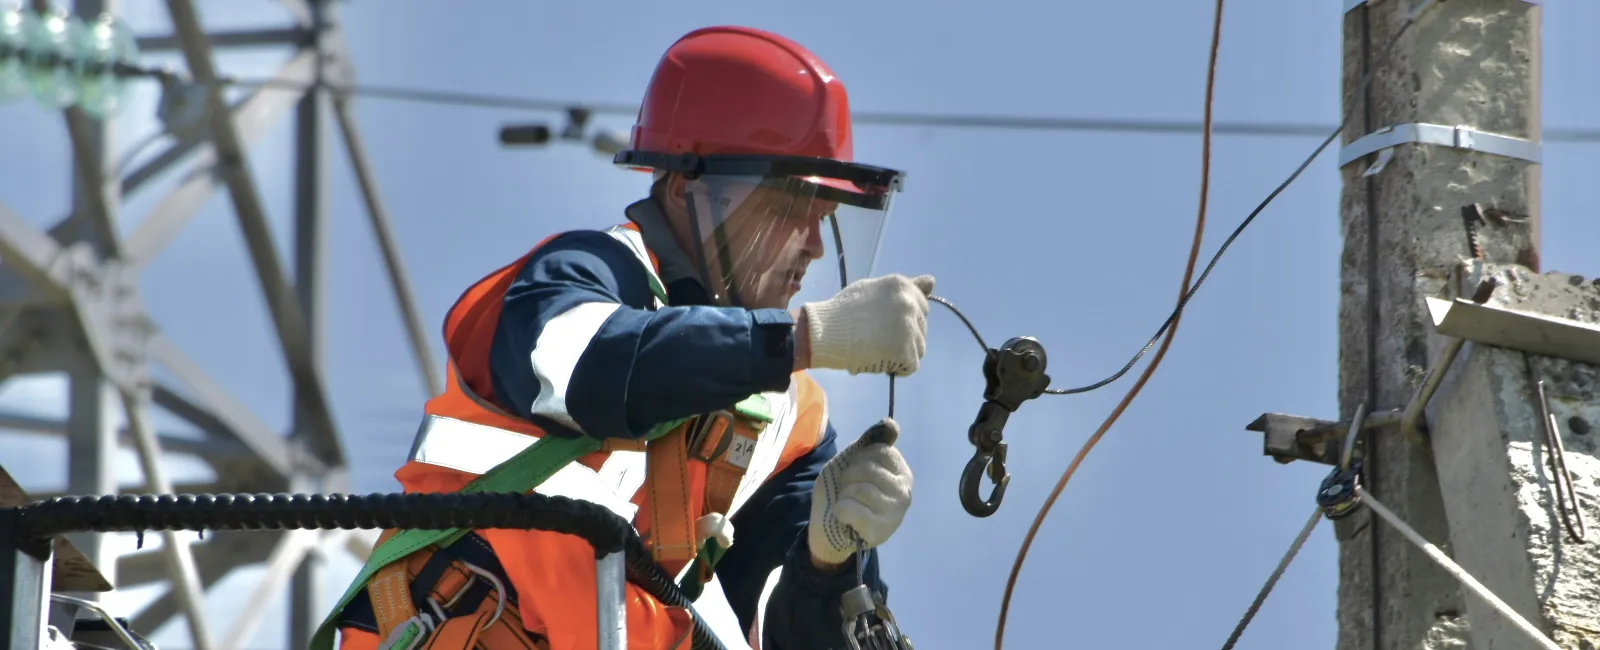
1079,239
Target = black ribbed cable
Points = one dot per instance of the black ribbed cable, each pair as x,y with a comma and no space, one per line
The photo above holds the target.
603,529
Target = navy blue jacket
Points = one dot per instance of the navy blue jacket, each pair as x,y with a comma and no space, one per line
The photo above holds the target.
639,367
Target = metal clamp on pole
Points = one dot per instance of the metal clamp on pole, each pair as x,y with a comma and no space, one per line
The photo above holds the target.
1455,137
1350,5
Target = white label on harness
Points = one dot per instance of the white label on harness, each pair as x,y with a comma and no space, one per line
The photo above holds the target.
740,451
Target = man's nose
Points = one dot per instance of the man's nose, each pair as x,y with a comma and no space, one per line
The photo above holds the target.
813,247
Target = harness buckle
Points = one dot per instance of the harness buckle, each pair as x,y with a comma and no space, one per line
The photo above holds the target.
732,445
477,572
411,634
718,423
414,632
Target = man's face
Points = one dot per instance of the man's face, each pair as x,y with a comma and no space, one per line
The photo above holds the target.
771,239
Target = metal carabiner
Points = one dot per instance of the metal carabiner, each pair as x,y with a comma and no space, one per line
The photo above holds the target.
993,464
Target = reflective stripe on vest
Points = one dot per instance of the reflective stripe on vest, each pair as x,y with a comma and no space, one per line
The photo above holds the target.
475,448
635,242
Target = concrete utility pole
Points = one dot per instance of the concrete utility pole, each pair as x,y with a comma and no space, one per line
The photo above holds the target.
1464,62
1441,200
1480,376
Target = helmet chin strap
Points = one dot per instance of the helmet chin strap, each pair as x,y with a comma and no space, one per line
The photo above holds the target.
729,281
838,249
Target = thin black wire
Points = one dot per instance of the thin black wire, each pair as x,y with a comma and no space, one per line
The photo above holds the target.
964,320
1366,81
955,121
1360,88
1213,263
481,100
1196,287
958,121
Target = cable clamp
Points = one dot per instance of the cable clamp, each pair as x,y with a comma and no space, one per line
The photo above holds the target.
1455,137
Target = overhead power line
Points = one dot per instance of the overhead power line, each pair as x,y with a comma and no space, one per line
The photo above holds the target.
120,61
935,120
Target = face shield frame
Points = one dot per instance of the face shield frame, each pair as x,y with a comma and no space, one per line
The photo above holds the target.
852,187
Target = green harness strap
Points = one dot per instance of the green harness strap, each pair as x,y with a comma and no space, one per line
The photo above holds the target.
710,553
520,473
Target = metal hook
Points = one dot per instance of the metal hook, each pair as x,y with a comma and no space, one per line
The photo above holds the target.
985,463
1014,374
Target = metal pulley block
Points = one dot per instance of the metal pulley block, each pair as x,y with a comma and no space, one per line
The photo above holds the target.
1337,495
1015,373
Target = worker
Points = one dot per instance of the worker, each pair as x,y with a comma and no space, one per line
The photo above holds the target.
671,340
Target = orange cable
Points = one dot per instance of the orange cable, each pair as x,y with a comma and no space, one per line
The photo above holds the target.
1188,274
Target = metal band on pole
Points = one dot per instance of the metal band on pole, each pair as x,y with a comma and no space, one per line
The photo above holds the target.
1350,5
1455,137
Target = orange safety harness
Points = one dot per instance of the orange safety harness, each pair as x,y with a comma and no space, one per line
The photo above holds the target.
456,583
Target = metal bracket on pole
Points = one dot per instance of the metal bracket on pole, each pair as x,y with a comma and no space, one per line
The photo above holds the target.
1350,5
1288,438
1411,420
1550,336
1455,137
611,587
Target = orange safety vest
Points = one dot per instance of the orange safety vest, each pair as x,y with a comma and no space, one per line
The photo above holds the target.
705,465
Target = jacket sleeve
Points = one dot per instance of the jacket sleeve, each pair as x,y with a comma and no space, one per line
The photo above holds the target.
769,532
578,350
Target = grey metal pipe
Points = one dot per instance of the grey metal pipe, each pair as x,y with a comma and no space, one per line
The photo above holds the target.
611,586
28,596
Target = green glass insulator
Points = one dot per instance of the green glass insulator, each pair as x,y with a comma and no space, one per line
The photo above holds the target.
13,38
52,73
100,47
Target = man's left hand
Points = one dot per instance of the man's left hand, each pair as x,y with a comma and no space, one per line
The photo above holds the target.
863,491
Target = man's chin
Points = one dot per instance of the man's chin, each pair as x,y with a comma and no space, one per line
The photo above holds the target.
785,301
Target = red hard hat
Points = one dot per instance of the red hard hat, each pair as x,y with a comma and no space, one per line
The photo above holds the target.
743,91
735,108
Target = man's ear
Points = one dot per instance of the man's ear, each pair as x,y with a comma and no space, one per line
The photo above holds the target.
671,189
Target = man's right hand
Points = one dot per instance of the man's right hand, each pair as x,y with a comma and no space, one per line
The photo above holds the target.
875,325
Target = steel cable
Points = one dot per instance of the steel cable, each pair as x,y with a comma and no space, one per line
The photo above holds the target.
1272,581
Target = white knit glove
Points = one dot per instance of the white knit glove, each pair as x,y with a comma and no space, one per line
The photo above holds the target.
877,325
865,490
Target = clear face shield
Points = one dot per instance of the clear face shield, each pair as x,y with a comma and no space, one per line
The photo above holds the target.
756,235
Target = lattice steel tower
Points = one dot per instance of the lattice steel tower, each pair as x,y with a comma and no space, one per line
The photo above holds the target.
69,303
